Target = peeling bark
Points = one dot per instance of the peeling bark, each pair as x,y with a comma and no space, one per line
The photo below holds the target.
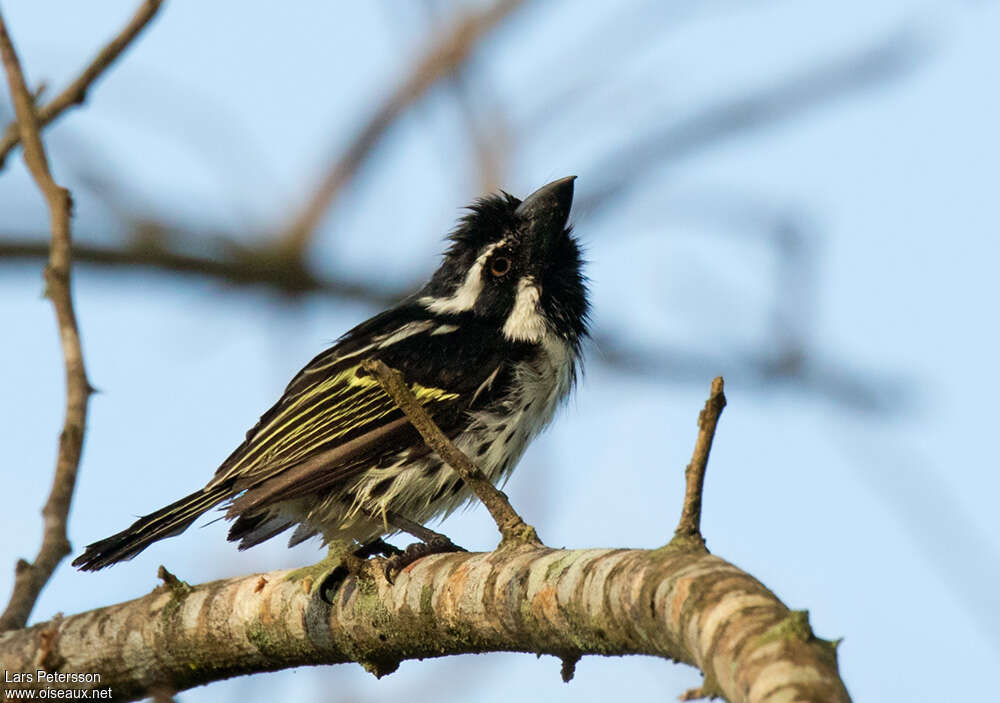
676,603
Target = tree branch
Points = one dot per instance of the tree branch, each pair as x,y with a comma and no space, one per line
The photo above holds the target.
30,578
513,529
671,603
76,92
238,267
689,526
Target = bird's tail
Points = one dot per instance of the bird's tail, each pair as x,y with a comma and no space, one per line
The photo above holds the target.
165,522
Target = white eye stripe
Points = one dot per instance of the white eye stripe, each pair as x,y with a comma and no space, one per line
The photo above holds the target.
465,296
525,323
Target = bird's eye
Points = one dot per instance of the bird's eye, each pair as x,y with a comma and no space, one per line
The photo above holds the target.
500,266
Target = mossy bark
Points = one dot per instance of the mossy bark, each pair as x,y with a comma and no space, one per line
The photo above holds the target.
679,604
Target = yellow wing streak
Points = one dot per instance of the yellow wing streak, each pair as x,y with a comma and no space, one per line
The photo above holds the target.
358,416
324,419
363,402
343,382
361,414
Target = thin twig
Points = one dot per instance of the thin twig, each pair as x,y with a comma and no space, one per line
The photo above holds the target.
31,578
689,526
441,60
512,528
76,92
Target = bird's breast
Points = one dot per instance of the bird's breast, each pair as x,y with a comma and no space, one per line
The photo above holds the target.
499,435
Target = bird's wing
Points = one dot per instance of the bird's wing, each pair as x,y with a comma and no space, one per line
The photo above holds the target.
334,419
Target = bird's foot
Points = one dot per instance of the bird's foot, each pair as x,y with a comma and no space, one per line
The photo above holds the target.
377,547
324,577
438,544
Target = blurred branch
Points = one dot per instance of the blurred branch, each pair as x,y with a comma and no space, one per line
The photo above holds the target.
489,137
823,378
76,92
620,36
248,267
786,233
443,59
30,578
239,266
789,234
789,353
873,66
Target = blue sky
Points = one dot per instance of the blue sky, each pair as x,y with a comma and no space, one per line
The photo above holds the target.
883,525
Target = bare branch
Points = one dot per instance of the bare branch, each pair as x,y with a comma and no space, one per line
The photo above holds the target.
238,267
512,528
689,526
442,59
673,603
31,578
76,92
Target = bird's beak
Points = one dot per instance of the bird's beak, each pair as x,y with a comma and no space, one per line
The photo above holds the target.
546,211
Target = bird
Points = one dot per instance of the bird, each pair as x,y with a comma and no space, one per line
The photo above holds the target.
490,347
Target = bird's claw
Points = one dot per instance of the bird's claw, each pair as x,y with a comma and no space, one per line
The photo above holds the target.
418,550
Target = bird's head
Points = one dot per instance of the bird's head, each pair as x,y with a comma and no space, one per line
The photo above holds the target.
515,264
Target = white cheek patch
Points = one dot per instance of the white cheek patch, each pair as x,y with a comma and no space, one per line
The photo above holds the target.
465,296
525,323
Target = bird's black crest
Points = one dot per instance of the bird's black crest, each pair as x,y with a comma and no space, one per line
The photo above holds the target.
486,220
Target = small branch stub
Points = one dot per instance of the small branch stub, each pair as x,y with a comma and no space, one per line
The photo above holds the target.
171,582
513,529
568,669
689,526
